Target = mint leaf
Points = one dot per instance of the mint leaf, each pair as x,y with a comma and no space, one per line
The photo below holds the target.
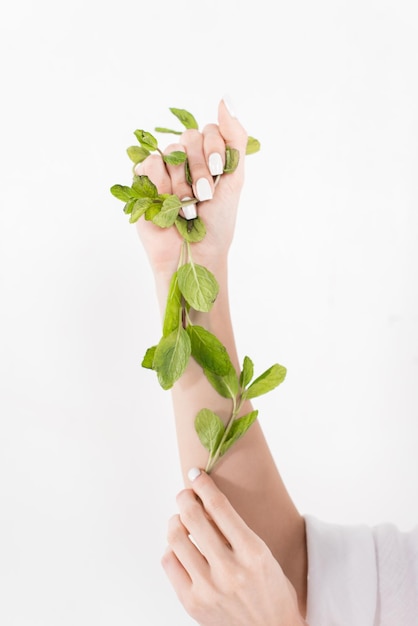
270,379
128,206
143,187
253,145
227,386
210,429
198,286
247,372
185,118
191,230
148,359
160,129
171,357
173,307
121,192
140,206
168,213
137,154
238,428
147,141
231,160
177,157
208,351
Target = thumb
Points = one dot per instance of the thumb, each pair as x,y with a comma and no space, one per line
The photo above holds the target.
230,128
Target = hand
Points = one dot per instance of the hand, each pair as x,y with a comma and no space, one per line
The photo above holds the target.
218,214
231,579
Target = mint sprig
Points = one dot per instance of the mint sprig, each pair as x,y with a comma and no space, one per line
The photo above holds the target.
193,287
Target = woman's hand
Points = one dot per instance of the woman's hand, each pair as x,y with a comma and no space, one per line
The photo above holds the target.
231,579
217,207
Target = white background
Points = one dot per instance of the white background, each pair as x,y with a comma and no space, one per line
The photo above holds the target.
324,278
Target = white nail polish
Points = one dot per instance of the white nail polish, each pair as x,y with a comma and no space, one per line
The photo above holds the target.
229,106
189,211
203,190
215,164
193,473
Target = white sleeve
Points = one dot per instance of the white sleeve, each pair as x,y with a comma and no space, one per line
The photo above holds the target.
397,564
342,575
361,576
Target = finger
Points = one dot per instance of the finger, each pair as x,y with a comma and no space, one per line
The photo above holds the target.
187,553
174,569
214,149
217,505
204,531
233,133
203,186
179,184
154,167
231,129
176,573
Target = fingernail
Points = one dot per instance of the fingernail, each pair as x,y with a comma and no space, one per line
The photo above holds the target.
137,169
193,473
189,211
215,164
229,105
203,190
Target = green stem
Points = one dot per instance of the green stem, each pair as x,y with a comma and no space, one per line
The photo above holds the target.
215,457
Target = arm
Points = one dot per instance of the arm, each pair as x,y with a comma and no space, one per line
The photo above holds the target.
248,475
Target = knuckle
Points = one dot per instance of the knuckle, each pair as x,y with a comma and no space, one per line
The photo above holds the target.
190,134
174,147
190,512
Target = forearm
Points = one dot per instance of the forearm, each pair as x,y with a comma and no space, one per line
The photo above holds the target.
248,475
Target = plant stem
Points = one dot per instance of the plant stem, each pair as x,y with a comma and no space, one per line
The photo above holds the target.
215,457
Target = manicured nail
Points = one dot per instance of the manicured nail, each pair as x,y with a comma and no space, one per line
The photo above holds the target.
203,190
189,211
215,164
229,105
193,473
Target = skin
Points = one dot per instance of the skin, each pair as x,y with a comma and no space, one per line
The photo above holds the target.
255,503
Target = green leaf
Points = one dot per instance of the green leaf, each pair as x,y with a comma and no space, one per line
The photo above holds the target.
171,357
147,141
231,159
270,379
227,386
148,359
168,213
247,372
191,230
122,192
141,205
160,129
253,145
210,429
154,209
189,179
208,351
129,205
177,157
173,307
185,118
239,427
198,286
137,154
143,187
